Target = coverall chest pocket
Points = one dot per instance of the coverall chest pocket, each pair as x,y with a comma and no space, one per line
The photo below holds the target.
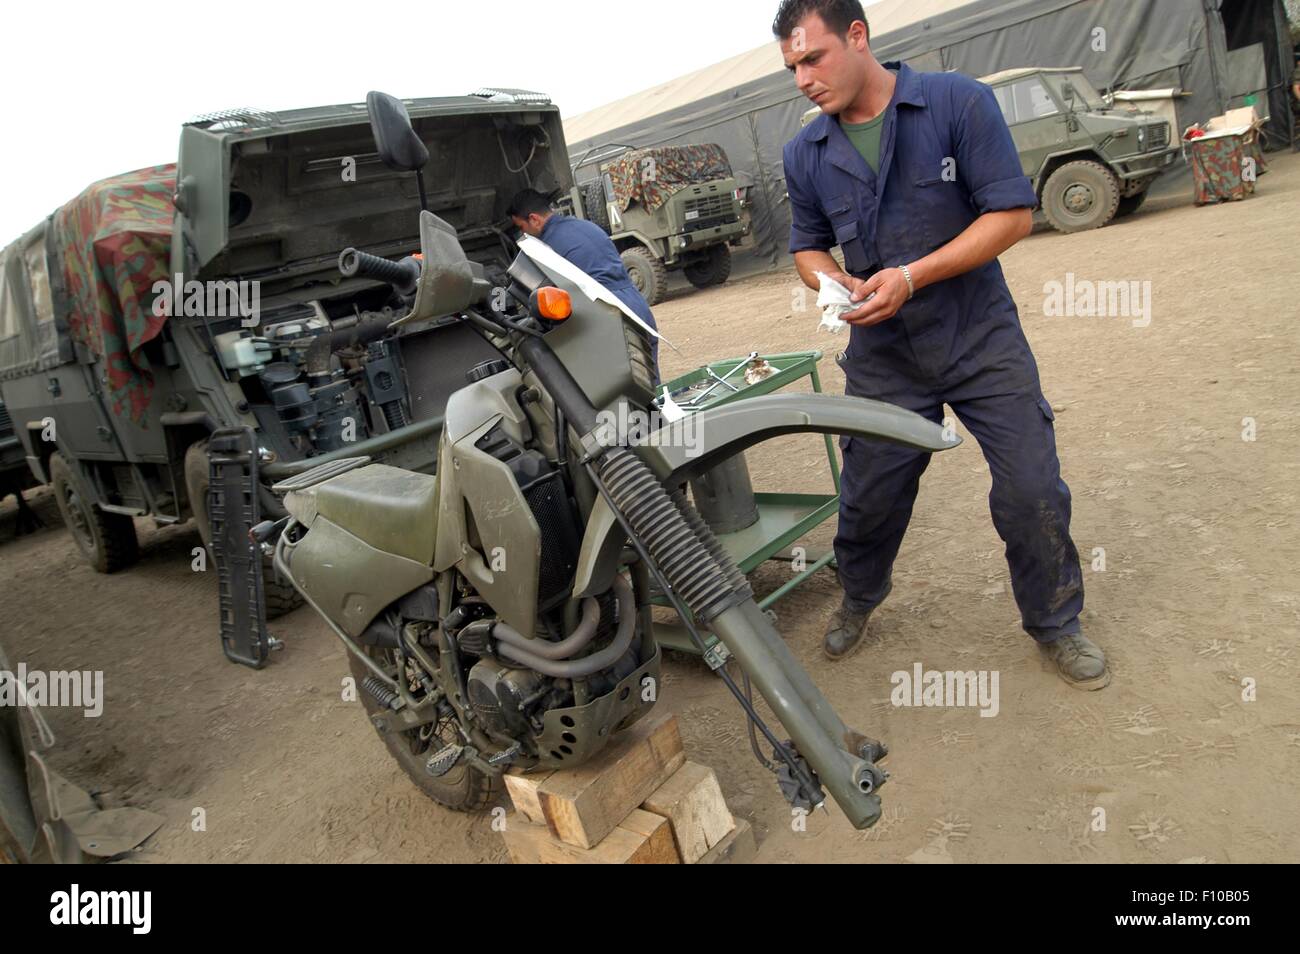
843,214
942,206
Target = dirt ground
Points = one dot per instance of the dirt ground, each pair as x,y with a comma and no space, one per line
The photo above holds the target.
1198,595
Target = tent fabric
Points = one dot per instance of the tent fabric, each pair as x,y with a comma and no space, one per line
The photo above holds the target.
733,72
1128,44
29,338
114,241
653,176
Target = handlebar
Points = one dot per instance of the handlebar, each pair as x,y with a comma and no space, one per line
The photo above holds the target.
402,275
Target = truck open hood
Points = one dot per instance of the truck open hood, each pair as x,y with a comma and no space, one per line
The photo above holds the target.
277,197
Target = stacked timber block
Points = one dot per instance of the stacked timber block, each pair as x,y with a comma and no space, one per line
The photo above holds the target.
637,802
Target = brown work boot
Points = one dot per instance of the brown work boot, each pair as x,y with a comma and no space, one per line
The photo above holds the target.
1079,661
847,632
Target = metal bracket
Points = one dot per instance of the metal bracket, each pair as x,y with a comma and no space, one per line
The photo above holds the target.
716,656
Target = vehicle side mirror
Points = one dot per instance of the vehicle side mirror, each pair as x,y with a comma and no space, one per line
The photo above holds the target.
396,140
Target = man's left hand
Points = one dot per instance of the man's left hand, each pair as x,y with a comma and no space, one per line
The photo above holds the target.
885,291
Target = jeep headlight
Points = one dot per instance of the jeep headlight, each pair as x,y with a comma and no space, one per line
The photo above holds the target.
1142,139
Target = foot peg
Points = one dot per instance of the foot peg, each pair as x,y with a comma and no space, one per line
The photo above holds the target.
444,760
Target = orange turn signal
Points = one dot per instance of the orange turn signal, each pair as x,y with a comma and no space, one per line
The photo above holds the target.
554,303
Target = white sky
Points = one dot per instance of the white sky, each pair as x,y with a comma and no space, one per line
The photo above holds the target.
94,89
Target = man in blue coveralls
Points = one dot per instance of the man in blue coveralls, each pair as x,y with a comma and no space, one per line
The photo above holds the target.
586,245
916,179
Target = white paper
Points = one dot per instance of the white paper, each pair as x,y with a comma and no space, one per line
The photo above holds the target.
547,257
670,409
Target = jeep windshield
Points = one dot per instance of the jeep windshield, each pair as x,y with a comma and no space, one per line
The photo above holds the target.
1085,92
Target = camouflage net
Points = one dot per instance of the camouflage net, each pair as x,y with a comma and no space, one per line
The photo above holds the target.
653,176
114,241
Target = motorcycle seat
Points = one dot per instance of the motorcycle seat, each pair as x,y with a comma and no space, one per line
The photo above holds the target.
391,509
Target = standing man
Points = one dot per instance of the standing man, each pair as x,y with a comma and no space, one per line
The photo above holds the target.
586,245
916,179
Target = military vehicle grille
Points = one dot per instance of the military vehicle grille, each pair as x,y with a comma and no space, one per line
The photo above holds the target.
708,211
1158,136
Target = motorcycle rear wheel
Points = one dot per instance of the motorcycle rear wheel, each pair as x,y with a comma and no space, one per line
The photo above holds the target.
464,788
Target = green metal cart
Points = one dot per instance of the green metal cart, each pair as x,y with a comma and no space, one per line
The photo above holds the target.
783,518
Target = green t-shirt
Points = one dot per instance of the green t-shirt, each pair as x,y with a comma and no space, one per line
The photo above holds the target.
866,138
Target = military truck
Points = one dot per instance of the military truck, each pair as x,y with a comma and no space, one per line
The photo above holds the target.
666,208
167,318
1089,161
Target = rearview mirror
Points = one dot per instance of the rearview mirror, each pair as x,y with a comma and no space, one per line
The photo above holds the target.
398,145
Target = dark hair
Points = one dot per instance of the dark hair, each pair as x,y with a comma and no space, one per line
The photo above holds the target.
528,202
838,15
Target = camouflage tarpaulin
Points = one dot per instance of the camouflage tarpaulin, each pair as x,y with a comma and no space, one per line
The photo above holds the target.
114,241
652,176
1217,168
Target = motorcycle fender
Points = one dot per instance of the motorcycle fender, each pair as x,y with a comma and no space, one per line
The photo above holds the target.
602,549
696,443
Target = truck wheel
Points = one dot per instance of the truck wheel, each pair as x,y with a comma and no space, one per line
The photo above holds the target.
1130,204
593,204
647,273
1080,195
107,540
714,269
281,598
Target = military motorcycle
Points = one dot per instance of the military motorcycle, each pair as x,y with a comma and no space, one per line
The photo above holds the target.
497,613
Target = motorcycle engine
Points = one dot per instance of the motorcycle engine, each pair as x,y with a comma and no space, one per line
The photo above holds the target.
499,697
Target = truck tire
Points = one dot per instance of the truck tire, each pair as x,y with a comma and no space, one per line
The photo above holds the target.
281,597
1130,204
107,540
1080,195
713,270
647,273
593,204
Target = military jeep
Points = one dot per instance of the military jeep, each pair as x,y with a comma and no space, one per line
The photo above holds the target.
666,208
1089,161
139,381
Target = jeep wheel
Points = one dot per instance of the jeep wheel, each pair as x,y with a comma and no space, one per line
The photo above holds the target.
1130,204
713,269
647,273
281,597
593,204
1080,195
107,540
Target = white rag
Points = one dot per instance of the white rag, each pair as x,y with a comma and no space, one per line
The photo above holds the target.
834,300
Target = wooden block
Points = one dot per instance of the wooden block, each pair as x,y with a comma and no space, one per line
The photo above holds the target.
582,805
642,838
737,848
692,800
523,794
